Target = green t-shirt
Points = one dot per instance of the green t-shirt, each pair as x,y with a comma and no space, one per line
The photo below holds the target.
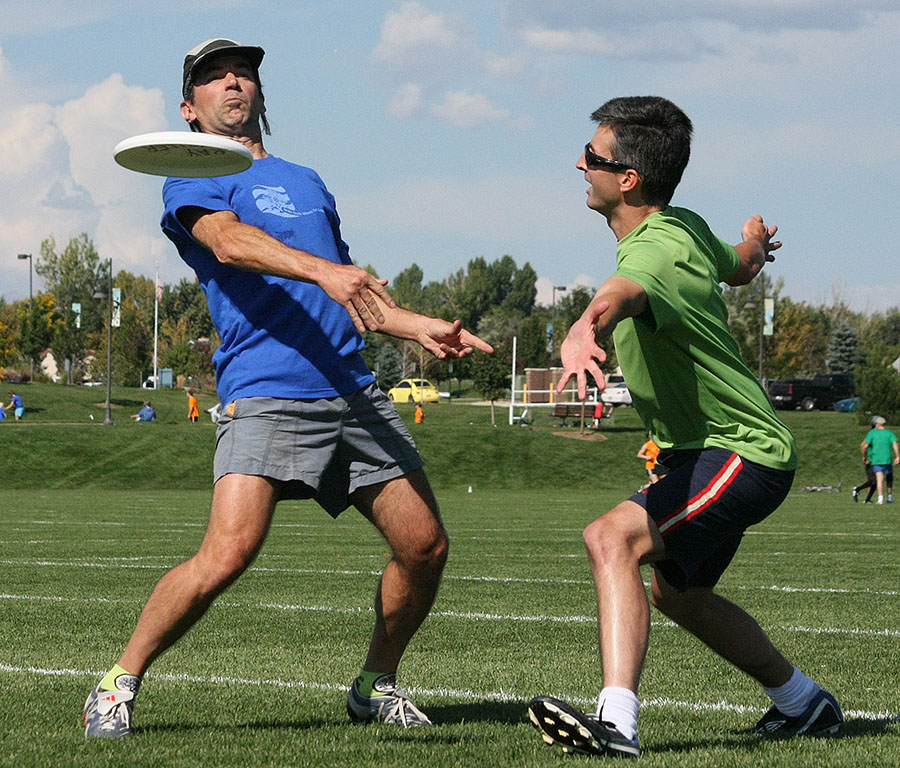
682,364
880,442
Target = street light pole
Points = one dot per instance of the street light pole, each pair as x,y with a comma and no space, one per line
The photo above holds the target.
30,302
762,325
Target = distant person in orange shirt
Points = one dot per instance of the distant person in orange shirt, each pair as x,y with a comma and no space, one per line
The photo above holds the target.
649,453
420,413
193,409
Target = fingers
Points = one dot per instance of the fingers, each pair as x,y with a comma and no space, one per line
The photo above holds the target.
378,286
471,340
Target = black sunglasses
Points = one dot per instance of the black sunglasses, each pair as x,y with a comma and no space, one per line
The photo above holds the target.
595,161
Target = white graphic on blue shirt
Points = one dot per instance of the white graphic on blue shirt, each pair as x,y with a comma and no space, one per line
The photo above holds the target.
275,200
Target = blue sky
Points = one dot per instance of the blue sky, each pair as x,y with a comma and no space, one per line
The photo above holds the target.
448,131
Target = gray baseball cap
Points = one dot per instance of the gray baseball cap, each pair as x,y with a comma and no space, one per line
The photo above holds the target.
218,46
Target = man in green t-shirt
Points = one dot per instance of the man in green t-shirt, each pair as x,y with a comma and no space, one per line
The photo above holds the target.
879,448
730,459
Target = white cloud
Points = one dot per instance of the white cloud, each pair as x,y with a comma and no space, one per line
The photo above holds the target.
545,285
469,110
406,102
414,34
58,178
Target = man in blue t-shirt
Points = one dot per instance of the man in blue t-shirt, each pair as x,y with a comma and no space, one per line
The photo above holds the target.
301,417
147,413
15,402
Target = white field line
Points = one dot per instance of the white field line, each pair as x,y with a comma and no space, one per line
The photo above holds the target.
463,615
130,563
460,531
442,693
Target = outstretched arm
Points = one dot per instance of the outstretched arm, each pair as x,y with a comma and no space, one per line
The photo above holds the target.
251,249
616,299
755,250
440,337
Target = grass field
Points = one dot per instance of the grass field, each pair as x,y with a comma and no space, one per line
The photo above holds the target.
262,680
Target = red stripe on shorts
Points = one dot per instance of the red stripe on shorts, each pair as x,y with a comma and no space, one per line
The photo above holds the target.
709,495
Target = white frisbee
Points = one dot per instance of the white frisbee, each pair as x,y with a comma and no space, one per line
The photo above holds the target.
180,153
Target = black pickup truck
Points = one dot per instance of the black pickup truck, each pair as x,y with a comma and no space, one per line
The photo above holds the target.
821,392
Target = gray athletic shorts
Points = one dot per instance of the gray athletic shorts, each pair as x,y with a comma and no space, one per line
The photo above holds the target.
321,449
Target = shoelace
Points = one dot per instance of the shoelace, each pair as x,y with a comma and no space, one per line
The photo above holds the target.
399,708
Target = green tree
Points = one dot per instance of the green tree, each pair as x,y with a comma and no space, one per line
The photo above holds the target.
73,276
389,366
523,291
186,301
843,348
37,323
799,345
490,374
532,351
406,288
878,385
9,332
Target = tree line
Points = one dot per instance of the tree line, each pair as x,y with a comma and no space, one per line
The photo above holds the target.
496,299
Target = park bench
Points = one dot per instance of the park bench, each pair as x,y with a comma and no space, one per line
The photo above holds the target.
565,411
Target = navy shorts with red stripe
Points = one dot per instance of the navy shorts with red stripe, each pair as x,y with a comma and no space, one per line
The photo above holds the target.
702,508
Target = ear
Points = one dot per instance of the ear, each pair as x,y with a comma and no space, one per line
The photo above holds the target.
630,180
187,112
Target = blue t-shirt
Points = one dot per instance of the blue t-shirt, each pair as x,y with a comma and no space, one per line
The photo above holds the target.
17,402
280,338
147,413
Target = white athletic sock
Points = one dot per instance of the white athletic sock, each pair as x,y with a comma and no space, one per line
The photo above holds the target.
881,499
619,706
794,696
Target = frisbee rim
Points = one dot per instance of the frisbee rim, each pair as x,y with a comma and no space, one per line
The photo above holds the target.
235,158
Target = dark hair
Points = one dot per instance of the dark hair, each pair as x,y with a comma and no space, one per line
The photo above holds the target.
189,96
653,136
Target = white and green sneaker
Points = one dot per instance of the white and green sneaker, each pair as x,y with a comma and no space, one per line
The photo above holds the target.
391,705
107,714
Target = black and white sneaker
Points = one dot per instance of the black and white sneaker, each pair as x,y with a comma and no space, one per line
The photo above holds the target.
823,716
574,731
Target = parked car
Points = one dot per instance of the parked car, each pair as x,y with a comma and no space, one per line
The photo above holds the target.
821,392
415,390
616,394
849,405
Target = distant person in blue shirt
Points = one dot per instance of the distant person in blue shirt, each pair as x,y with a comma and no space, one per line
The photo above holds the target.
16,403
147,413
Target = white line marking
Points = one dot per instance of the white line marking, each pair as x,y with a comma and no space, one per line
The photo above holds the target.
127,563
464,615
442,693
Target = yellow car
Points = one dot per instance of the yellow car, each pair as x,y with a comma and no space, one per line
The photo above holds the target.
415,390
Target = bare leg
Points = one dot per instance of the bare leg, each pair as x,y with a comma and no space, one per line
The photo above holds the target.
239,520
879,479
726,628
618,543
405,512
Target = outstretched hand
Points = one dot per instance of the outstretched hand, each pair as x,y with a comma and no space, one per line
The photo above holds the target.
354,288
755,230
445,339
580,354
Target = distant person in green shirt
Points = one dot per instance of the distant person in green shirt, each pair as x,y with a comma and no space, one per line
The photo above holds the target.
731,461
880,449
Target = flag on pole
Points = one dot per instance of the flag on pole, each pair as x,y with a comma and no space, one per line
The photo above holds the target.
158,289
116,308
